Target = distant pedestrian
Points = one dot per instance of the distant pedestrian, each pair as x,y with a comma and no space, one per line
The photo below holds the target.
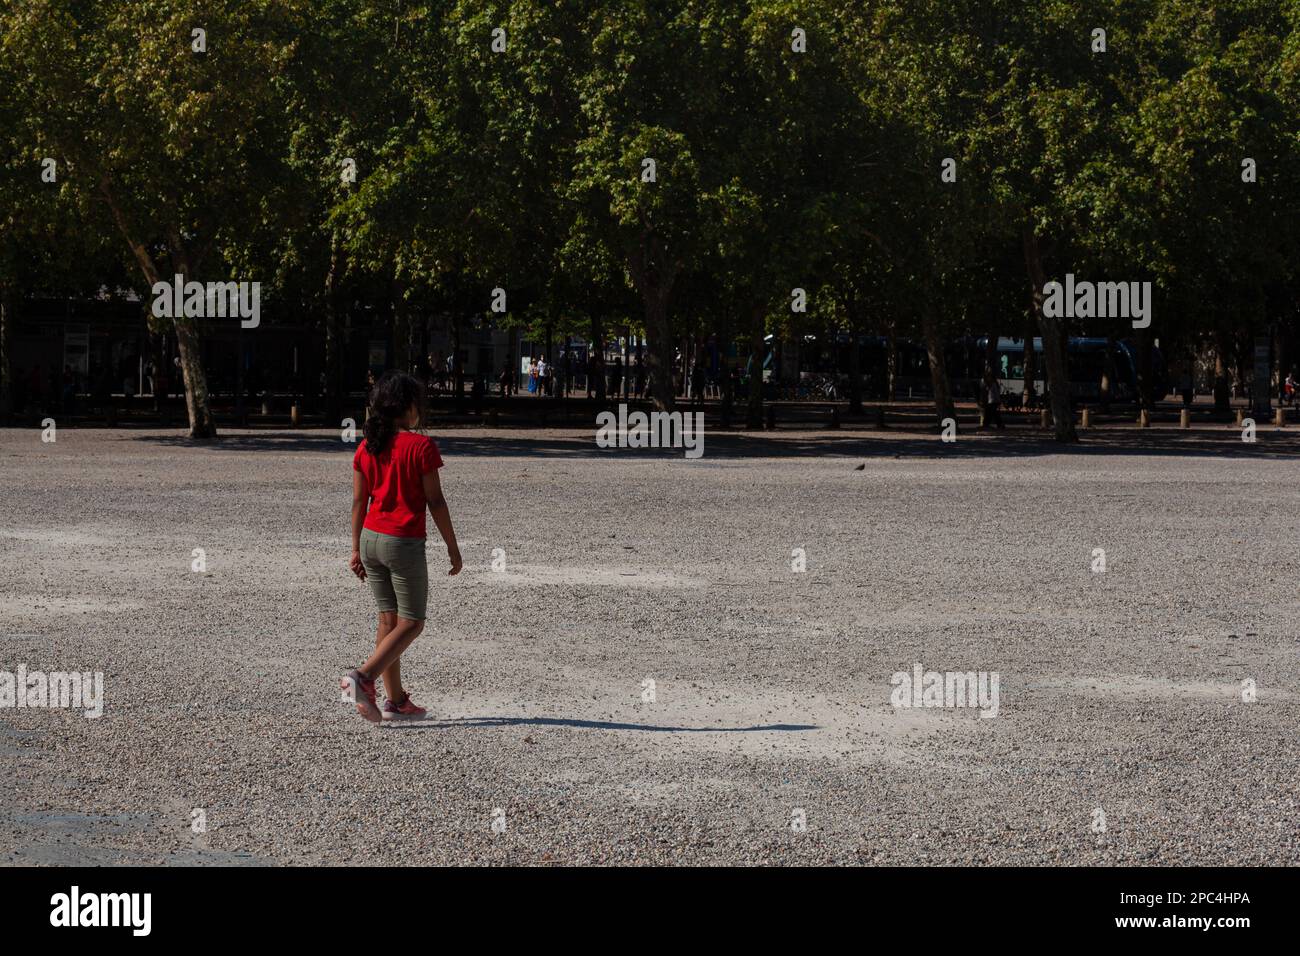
699,380
638,373
543,376
992,404
616,377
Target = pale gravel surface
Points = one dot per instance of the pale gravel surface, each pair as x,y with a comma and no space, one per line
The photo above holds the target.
1119,691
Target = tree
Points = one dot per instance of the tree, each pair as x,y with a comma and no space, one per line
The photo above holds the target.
45,247
174,143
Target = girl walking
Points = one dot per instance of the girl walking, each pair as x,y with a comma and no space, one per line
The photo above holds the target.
394,479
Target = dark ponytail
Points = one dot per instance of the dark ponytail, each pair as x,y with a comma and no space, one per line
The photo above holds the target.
391,399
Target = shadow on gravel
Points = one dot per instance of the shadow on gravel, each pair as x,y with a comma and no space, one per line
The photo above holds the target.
1271,445
590,725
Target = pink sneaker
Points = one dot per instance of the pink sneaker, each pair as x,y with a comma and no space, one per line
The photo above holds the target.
409,710
361,689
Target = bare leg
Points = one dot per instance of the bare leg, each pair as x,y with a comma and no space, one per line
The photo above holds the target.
391,647
392,676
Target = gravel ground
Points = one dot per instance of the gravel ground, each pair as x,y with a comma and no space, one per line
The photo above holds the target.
1119,692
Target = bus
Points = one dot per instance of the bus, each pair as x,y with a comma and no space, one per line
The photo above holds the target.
1089,361
823,358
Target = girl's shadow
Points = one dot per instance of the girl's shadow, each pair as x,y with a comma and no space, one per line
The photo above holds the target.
450,723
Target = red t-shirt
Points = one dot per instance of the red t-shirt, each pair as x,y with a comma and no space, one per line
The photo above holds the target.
396,483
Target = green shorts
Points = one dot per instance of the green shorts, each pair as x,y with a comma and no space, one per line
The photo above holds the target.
398,575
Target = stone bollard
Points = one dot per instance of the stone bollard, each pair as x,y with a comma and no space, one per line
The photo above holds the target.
295,419
266,406
1144,419
1241,416
1280,418
835,416
1185,418
492,418
1085,418
1045,418
880,416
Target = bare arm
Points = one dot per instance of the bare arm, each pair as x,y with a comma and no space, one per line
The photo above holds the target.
442,518
360,498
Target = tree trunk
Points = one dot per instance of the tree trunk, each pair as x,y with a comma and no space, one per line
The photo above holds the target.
196,382
1279,362
549,355
627,362
596,361
659,357
855,359
1222,395
333,332
1028,390
239,376
1107,389
197,400
401,327
891,364
934,343
1242,360
457,372
681,370
1144,383
989,374
8,316
757,350
156,358
654,272
1054,344
197,406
